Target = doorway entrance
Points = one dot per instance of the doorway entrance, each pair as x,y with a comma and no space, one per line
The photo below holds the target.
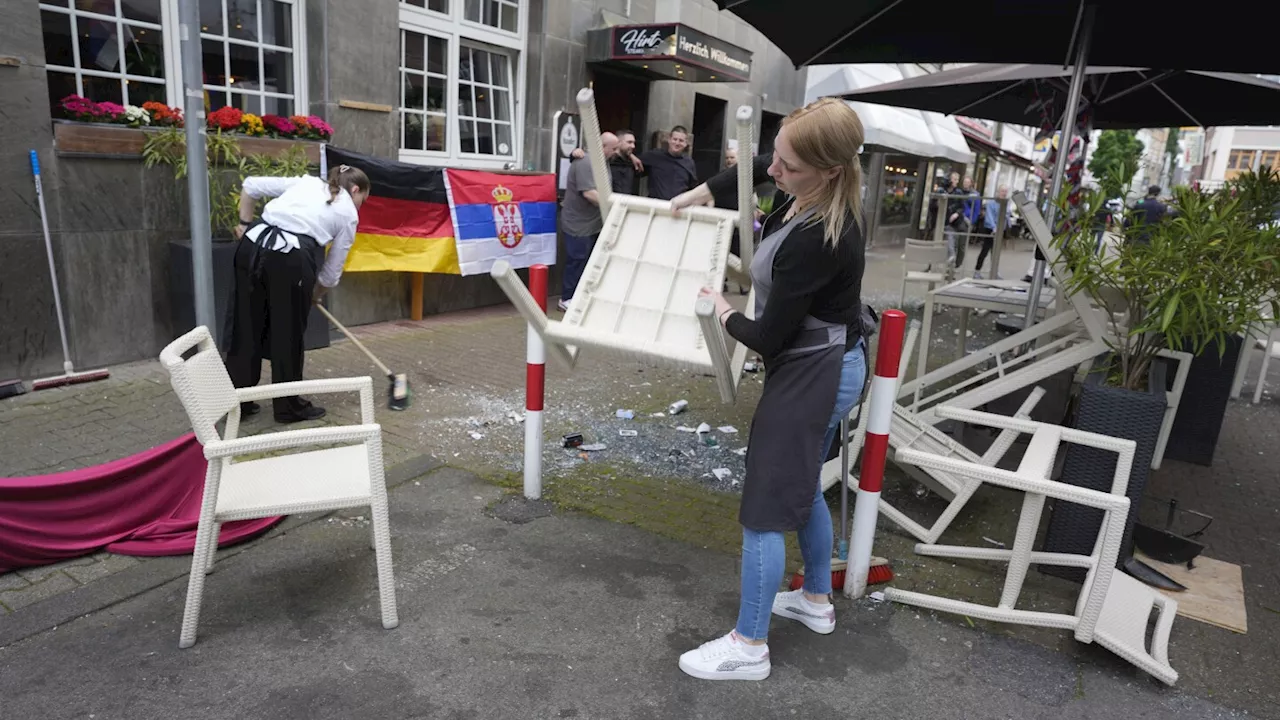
769,124
708,134
622,102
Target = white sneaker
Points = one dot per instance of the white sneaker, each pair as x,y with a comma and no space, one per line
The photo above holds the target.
726,658
794,605
562,305
977,274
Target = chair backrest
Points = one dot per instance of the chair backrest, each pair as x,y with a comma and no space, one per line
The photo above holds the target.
200,381
925,252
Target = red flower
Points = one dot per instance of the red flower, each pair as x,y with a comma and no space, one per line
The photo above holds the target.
227,118
162,115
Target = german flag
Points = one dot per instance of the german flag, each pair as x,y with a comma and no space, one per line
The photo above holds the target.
405,224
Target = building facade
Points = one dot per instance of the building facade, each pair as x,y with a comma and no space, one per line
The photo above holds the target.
1230,151
455,83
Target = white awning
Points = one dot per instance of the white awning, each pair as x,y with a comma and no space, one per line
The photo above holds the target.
925,134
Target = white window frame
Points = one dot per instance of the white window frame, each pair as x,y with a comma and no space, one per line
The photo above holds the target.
80,72
298,51
457,30
173,52
450,127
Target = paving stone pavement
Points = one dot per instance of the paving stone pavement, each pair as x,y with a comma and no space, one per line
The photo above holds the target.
467,372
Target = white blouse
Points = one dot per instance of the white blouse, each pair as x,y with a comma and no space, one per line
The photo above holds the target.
301,206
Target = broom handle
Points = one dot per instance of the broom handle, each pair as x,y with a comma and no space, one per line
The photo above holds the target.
53,270
385,370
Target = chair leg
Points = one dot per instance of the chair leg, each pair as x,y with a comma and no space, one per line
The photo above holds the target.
213,547
382,552
902,301
1242,367
195,584
1262,373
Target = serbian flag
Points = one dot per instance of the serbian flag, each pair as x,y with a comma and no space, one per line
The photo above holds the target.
405,223
502,216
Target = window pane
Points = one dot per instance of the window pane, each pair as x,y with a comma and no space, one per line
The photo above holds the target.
467,134
480,66
437,49
143,52
103,89
246,102
508,18
244,67
145,10
502,105
415,3
277,23
277,106
211,16
413,55
436,132
414,93
98,47
501,73
213,62
465,106
60,86
435,94
491,12
57,39
503,138
484,138
277,71
439,5
464,64
473,10
413,131
483,103
140,92
217,99
242,19
106,7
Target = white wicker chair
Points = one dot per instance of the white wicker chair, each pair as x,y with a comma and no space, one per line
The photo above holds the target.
350,475
1113,609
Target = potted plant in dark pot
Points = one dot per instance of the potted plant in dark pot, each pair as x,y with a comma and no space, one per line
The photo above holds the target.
1191,281
228,167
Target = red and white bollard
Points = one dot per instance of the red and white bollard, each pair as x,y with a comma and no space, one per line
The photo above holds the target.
875,449
535,385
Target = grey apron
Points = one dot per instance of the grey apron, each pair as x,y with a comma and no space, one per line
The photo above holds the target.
785,450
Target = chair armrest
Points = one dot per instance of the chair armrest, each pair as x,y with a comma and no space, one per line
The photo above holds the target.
291,439
363,385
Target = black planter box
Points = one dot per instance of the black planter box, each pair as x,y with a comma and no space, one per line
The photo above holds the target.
1194,436
1119,413
182,303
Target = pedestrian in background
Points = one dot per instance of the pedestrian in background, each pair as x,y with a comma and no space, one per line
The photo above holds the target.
990,222
580,219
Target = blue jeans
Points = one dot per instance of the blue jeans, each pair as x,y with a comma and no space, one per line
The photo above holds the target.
577,250
764,554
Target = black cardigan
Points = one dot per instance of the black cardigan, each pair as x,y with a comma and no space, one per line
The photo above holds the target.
809,277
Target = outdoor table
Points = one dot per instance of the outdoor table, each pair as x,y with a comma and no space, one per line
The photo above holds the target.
969,294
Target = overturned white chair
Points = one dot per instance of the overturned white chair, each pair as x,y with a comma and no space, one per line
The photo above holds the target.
929,253
638,297
332,478
1113,609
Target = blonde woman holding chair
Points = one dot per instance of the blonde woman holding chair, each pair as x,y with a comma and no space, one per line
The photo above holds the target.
807,273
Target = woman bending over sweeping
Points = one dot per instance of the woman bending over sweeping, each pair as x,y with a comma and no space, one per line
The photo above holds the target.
277,278
807,274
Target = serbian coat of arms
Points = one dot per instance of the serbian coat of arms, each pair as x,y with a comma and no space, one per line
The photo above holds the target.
506,217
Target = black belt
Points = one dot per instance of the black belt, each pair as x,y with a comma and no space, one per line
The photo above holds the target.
267,240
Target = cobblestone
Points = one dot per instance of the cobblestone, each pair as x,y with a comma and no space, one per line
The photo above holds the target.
46,588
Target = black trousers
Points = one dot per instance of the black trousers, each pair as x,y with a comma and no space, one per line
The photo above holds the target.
987,243
269,317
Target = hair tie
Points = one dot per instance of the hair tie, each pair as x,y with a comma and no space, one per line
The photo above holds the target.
343,168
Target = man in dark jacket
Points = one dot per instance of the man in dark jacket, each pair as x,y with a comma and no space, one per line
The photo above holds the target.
670,170
1145,216
623,163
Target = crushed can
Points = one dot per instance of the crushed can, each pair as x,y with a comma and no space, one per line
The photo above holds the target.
678,407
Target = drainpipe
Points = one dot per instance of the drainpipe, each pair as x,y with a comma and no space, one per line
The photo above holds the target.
542,77
324,33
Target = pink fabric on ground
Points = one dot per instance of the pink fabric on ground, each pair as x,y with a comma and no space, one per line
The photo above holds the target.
145,504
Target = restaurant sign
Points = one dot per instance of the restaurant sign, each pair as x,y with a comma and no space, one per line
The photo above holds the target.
679,43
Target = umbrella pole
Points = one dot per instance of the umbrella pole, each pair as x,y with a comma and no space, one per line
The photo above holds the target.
1060,165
